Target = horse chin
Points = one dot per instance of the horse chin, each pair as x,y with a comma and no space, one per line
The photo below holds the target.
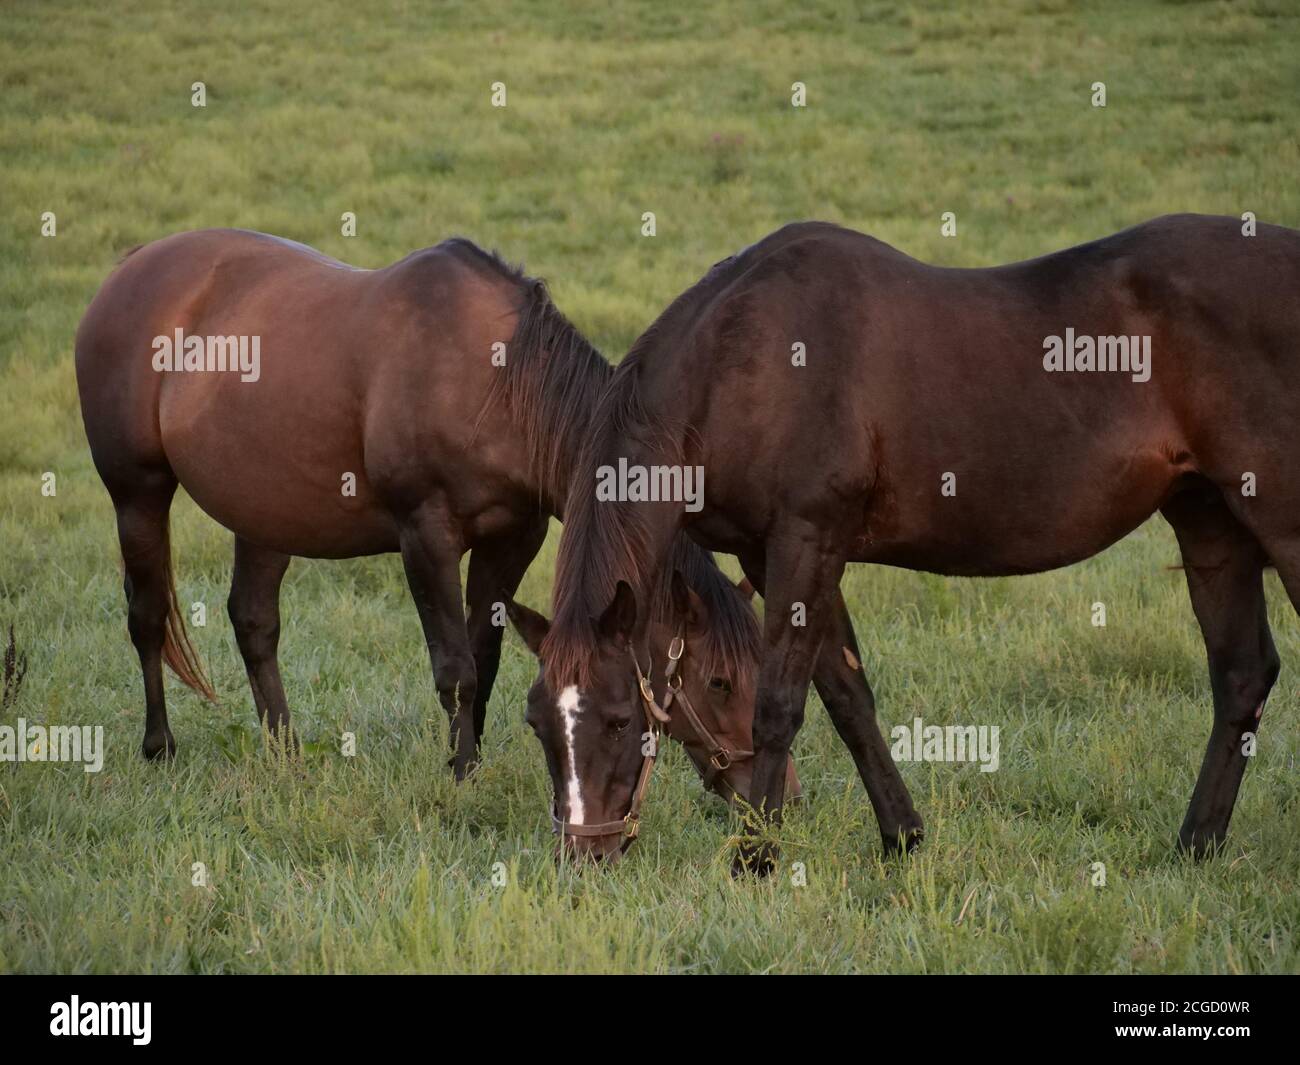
793,789
592,850
735,783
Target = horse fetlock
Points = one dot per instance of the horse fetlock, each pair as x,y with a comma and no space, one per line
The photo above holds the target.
159,746
903,840
1200,842
456,680
756,859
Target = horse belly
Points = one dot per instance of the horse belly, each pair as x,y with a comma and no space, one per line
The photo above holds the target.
289,479
1003,522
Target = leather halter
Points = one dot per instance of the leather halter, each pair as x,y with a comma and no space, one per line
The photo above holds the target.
720,757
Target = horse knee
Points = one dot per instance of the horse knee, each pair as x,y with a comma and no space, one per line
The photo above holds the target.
778,718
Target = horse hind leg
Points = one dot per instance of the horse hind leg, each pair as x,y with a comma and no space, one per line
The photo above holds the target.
1224,565
142,517
254,608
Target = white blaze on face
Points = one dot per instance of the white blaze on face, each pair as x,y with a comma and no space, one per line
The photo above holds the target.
568,704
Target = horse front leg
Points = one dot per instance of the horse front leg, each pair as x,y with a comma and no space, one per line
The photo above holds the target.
431,549
495,569
842,684
802,577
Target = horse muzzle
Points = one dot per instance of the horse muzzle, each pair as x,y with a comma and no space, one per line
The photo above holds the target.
605,843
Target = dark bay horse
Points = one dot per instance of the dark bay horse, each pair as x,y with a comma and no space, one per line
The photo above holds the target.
849,403
432,407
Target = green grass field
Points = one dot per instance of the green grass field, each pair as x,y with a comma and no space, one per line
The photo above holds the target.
379,862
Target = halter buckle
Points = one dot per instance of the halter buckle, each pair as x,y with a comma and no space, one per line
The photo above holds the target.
631,826
644,683
722,760
676,648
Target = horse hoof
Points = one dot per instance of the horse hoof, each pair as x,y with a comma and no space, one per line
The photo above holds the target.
753,861
1199,846
905,842
159,748
462,771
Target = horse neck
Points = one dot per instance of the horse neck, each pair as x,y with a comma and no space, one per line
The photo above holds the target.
604,541
650,535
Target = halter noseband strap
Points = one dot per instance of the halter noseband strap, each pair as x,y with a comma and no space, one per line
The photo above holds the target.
720,757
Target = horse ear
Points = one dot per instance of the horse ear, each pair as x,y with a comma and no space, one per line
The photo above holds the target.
687,606
530,625
619,618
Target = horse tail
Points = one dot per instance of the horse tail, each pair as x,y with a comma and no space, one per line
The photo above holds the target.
178,652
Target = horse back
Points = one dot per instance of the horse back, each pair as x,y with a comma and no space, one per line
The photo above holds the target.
358,371
913,402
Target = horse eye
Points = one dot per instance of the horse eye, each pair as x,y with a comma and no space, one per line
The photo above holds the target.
619,726
720,684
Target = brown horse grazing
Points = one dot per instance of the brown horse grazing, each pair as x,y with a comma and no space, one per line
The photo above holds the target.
375,420
849,403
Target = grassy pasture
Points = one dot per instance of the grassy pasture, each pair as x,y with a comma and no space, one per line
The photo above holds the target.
380,863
